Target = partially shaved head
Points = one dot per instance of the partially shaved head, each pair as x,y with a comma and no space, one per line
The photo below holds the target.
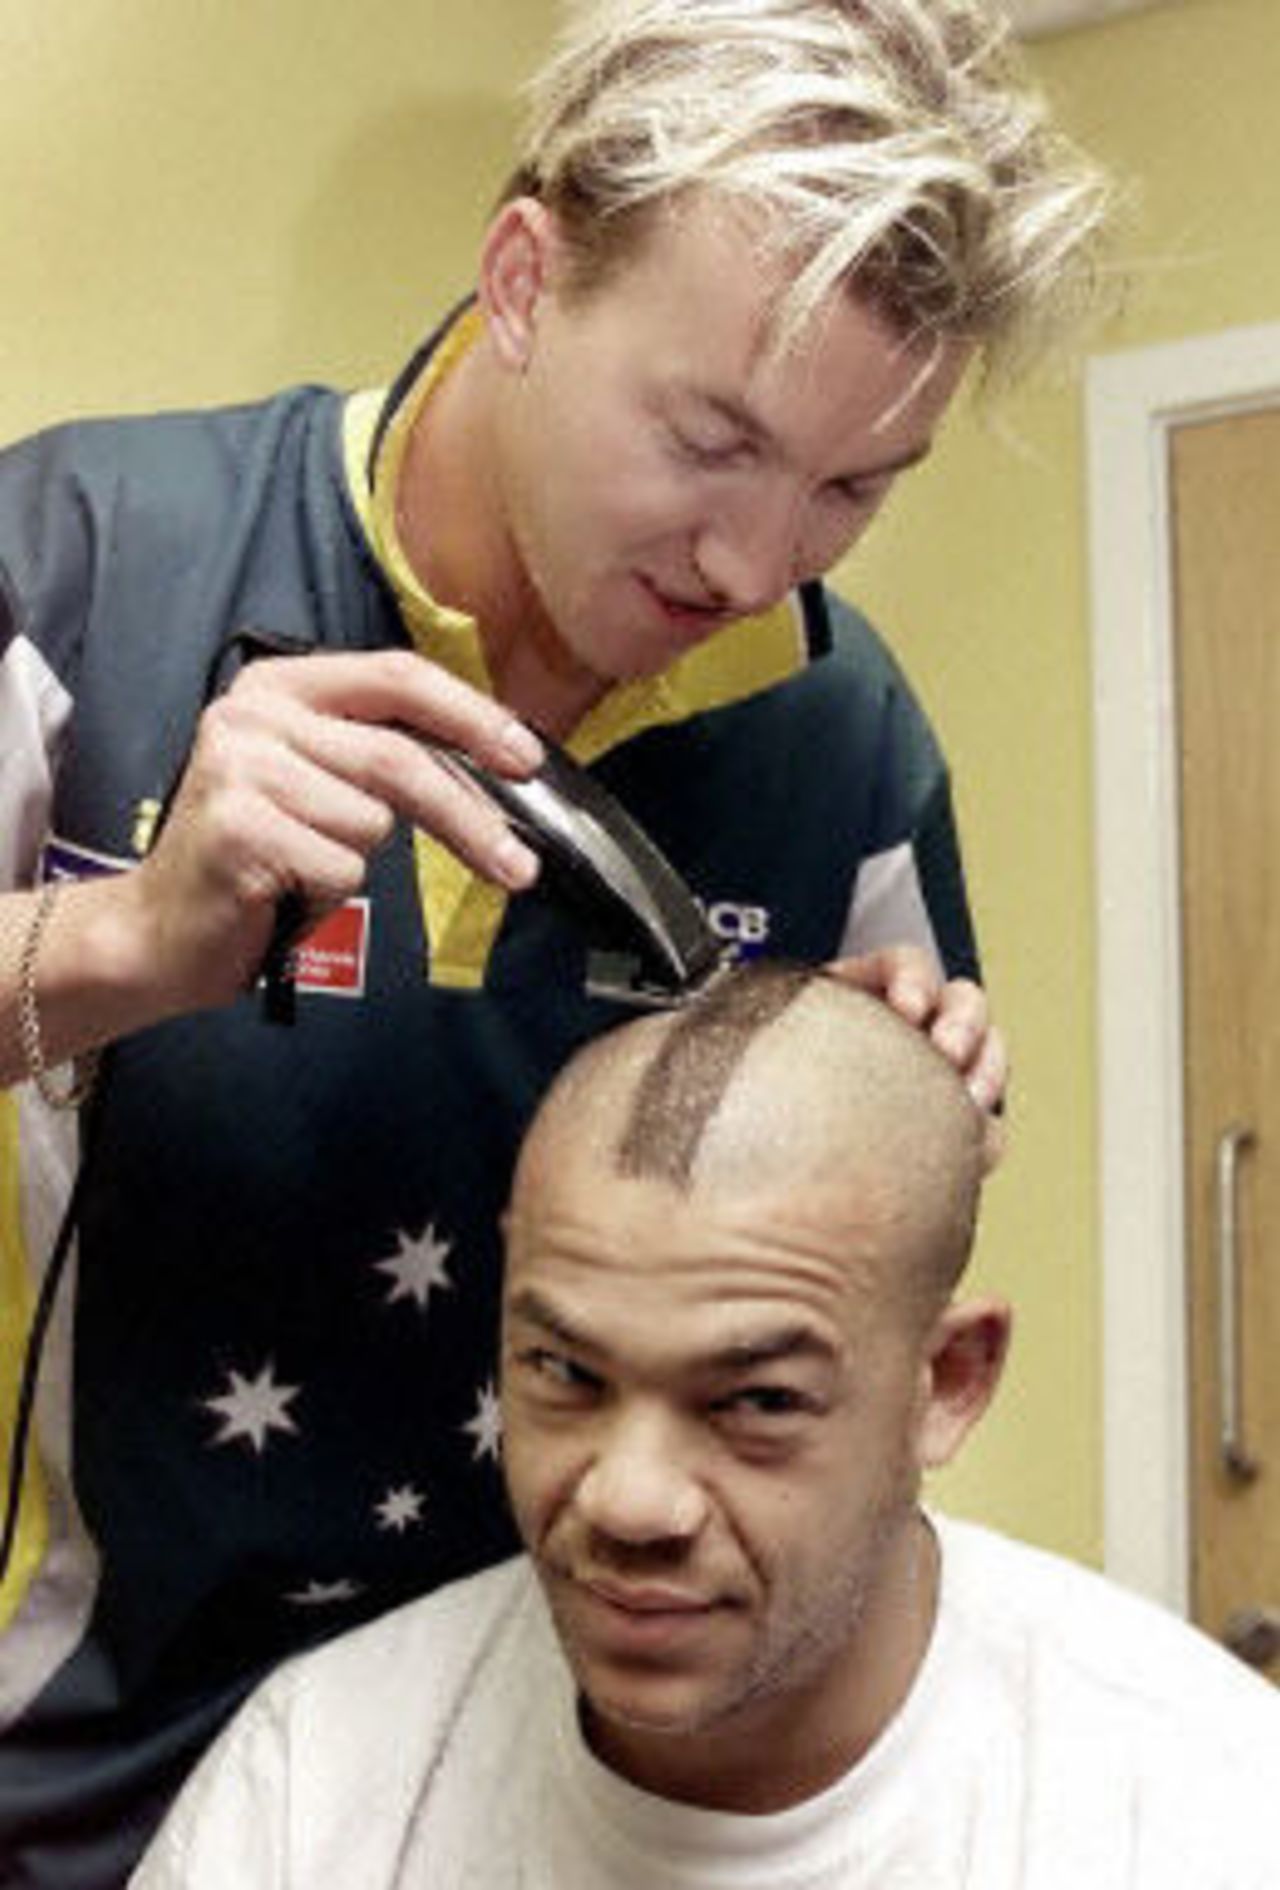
683,1085
781,1080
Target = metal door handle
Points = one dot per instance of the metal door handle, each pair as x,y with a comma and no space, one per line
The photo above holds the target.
1234,1452
1254,1635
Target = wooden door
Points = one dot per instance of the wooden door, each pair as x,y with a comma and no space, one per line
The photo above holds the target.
1225,483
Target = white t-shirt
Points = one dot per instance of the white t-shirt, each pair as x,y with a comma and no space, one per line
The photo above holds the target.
1061,1734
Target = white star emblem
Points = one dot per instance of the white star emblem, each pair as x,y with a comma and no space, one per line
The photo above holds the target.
400,1509
250,1408
417,1265
324,1594
486,1426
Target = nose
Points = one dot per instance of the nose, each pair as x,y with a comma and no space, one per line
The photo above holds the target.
751,552
639,1487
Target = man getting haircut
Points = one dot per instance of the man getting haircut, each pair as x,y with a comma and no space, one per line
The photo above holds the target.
738,1651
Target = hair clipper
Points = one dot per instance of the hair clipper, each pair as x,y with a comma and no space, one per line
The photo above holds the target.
650,943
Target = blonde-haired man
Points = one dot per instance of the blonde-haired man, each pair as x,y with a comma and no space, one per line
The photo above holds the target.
751,250
738,1653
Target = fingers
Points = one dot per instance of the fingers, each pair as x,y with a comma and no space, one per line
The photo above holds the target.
987,1070
276,763
960,1025
390,688
983,1061
296,778
370,719
956,1015
348,779
905,976
994,1142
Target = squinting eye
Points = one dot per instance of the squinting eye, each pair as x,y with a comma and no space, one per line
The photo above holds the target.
707,453
557,1371
767,1401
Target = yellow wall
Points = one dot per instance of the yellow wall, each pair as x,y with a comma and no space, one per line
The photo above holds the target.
203,201
980,574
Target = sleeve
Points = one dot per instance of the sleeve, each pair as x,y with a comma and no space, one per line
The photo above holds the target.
230,1823
42,562
910,884
912,892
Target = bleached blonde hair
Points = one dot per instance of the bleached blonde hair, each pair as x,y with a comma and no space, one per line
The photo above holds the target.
895,146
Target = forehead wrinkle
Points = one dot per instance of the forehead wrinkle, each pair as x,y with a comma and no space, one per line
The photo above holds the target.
795,1339
768,1279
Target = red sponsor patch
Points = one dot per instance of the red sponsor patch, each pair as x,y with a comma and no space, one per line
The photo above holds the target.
332,956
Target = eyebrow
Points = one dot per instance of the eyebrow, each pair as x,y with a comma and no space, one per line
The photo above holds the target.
787,1343
530,1306
737,414
741,1355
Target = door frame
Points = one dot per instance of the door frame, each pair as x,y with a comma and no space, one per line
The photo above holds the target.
1133,400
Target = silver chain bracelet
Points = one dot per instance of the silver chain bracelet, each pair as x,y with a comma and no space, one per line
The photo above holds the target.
29,1038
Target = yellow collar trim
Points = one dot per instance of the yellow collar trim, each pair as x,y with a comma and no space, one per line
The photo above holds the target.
449,637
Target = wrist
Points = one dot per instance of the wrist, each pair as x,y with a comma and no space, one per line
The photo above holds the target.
95,972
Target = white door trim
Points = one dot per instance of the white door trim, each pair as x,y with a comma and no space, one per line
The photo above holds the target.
1133,401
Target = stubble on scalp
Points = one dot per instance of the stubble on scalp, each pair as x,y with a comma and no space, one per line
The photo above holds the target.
681,1089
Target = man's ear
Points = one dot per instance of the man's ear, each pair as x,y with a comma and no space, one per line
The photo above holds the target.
515,270
964,1360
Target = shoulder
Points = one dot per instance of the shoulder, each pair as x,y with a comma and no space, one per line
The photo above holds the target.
448,1634
1115,1744
1072,1634
125,511
363,1724
101,443
430,1713
92,451
839,631
852,665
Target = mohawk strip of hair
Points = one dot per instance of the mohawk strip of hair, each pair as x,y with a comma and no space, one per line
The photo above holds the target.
680,1092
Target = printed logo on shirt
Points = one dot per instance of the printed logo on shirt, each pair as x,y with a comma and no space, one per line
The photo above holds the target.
331,959
746,928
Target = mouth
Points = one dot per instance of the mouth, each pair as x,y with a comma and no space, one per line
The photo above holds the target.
649,1601
643,1622
687,613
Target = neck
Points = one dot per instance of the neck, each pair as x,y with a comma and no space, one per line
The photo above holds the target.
788,1746
452,523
